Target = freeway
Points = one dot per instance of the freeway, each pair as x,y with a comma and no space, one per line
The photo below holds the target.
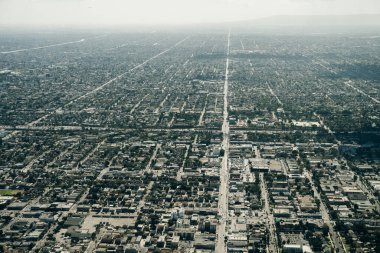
146,129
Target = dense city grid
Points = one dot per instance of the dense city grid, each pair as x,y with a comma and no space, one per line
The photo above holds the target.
174,142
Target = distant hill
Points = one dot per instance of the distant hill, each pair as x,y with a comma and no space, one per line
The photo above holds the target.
282,24
314,23
318,20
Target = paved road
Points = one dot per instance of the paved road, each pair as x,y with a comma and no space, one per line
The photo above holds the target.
273,244
334,237
180,171
148,168
223,190
100,87
201,117
42,47
72,210
349,84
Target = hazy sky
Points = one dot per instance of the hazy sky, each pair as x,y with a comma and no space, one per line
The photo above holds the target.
65,12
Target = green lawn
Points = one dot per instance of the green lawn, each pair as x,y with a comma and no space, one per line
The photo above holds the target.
9,192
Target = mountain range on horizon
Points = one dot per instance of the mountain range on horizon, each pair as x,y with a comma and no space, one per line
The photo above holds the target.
357,23
315,20
361,23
